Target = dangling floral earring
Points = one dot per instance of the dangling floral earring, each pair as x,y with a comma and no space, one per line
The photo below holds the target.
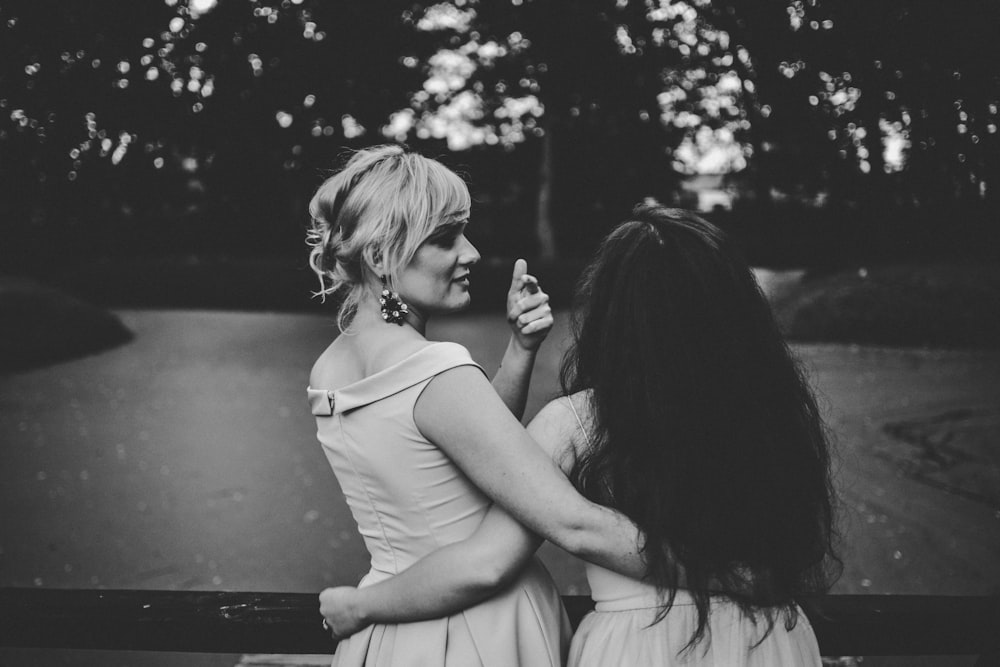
392,307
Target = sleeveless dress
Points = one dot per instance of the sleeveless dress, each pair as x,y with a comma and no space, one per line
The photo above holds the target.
409,499
620,630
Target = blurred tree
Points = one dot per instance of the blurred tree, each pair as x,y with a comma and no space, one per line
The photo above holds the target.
175,114
616,99
208,123
889,107
894,100
65,78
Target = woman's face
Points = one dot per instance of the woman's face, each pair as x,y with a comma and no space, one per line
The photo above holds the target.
437,278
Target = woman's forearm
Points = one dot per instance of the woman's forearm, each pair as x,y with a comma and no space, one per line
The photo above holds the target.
513,378
436,586
607,538
444,582
439,584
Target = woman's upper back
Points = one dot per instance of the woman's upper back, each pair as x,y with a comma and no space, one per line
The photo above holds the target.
563,428
353,356
406,495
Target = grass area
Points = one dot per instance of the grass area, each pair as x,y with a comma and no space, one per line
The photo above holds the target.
932,305
41,325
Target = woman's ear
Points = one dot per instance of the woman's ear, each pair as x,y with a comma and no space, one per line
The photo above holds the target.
373,258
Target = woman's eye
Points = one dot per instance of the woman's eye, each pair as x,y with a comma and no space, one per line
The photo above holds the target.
444,238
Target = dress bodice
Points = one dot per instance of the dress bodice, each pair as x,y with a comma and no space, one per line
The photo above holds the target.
405,494
408,498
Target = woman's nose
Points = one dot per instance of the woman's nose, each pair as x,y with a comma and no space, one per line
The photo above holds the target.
469,254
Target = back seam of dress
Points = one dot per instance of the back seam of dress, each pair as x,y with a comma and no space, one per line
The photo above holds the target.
371,502
423,512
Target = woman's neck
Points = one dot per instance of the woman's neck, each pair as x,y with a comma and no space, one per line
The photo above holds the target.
369,315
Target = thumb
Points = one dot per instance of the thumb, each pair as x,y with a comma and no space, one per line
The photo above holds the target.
520,268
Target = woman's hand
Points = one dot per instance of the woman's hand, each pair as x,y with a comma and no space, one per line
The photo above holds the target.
340,612
528,311
530,320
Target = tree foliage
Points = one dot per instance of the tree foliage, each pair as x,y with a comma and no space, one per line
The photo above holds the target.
203,124
184,128
894,99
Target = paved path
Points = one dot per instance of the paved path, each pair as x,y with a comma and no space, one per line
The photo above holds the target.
187,460
916,520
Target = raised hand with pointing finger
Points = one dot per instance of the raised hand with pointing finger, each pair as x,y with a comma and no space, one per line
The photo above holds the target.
528,311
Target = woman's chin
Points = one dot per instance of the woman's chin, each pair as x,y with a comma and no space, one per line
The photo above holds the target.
459,304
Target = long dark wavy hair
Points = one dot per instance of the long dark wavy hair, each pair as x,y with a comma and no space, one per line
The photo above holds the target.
705,432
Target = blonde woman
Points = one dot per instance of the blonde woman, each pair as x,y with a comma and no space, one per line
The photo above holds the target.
419,439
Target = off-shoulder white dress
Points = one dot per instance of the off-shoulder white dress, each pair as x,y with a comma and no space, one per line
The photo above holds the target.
409,499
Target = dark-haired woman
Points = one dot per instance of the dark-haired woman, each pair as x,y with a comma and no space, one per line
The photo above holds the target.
683,410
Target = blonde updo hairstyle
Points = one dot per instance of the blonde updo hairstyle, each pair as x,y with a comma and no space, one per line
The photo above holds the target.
380,207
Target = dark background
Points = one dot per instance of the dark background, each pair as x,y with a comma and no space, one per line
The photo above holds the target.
154,130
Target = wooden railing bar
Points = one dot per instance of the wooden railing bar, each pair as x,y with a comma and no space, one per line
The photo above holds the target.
238,622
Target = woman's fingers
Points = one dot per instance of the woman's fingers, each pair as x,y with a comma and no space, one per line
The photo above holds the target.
540,324
517,277
527,308
528,312
529,302
535,320
534,314
521,282
338,613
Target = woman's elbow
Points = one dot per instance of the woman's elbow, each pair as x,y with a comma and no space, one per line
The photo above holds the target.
494,571
573,538
588,533
498,576
486,579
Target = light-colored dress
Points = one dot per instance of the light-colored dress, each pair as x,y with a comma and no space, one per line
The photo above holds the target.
620,630
408,499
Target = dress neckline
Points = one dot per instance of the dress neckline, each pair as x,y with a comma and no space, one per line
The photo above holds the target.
392,379
388,369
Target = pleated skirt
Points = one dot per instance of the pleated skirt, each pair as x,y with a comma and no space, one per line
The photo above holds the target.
622,632
524,625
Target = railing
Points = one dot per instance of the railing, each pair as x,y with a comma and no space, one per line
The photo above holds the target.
212,622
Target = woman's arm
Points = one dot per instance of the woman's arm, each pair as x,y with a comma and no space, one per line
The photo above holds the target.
530,320
442,583
460,412
458,575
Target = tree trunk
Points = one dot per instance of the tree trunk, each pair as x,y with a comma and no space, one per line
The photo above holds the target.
544,231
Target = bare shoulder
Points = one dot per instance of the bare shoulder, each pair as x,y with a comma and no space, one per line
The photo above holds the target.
329,367
460,408
455,386
557,430
350,358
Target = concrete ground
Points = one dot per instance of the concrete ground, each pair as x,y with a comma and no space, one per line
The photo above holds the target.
187,460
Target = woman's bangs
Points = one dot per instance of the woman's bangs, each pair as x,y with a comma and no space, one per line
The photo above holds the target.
449,195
